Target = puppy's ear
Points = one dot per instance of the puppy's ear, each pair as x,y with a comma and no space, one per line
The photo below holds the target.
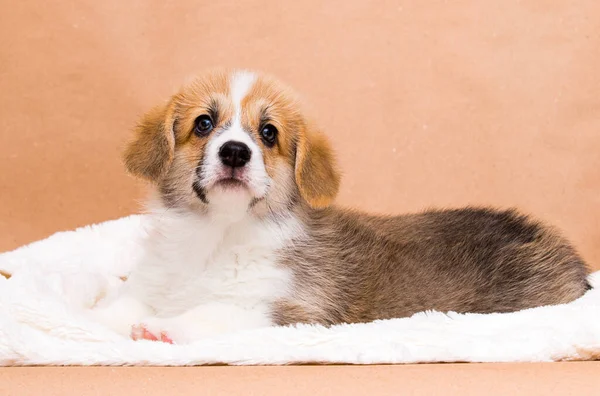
316,171
151,151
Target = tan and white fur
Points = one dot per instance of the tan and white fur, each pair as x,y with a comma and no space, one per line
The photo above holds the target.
244,233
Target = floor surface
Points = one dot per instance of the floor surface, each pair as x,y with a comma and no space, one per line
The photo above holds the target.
443,379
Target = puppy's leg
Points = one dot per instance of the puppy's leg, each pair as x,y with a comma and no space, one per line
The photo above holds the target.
121,314
201,322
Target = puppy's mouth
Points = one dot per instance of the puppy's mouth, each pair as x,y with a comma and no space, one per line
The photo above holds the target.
226,184
231,183
232,179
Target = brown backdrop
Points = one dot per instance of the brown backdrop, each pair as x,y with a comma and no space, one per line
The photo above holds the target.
429,103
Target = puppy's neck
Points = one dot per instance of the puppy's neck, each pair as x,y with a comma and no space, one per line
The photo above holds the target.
220,207
180,231
227,208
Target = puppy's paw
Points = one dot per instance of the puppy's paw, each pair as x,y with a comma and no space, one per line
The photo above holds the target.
170,330
141,332
192,325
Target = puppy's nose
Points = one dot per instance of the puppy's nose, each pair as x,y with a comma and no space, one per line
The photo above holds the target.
235,154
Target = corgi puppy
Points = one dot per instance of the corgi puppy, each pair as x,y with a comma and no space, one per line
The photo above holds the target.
244,235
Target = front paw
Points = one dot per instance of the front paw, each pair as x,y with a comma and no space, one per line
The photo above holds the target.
169,330
141,332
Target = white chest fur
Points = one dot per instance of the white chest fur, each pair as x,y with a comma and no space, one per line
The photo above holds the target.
193,260
203,275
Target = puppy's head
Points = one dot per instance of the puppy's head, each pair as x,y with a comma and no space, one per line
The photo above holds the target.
233,141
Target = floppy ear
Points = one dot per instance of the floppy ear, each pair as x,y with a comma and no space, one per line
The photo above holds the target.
316,170
151,151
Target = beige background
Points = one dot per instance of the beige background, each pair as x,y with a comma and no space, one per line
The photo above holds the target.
429,103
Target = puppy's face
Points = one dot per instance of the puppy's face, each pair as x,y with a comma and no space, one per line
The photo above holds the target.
233,142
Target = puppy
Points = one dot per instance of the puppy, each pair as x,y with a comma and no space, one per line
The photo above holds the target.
243,234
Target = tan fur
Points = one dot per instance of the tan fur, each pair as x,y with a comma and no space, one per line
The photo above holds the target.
316,174
151,152
270,100
314,164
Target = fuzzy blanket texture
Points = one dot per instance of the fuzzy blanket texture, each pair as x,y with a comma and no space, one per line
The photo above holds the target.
42,320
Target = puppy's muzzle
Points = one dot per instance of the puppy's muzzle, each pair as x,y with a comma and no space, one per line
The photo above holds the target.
234,154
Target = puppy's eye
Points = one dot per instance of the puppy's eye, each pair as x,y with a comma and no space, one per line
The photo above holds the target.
203,125
269,134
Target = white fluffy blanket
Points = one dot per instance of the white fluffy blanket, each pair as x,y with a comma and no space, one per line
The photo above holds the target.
54,280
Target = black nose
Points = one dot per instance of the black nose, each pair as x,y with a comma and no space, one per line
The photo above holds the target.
235,154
